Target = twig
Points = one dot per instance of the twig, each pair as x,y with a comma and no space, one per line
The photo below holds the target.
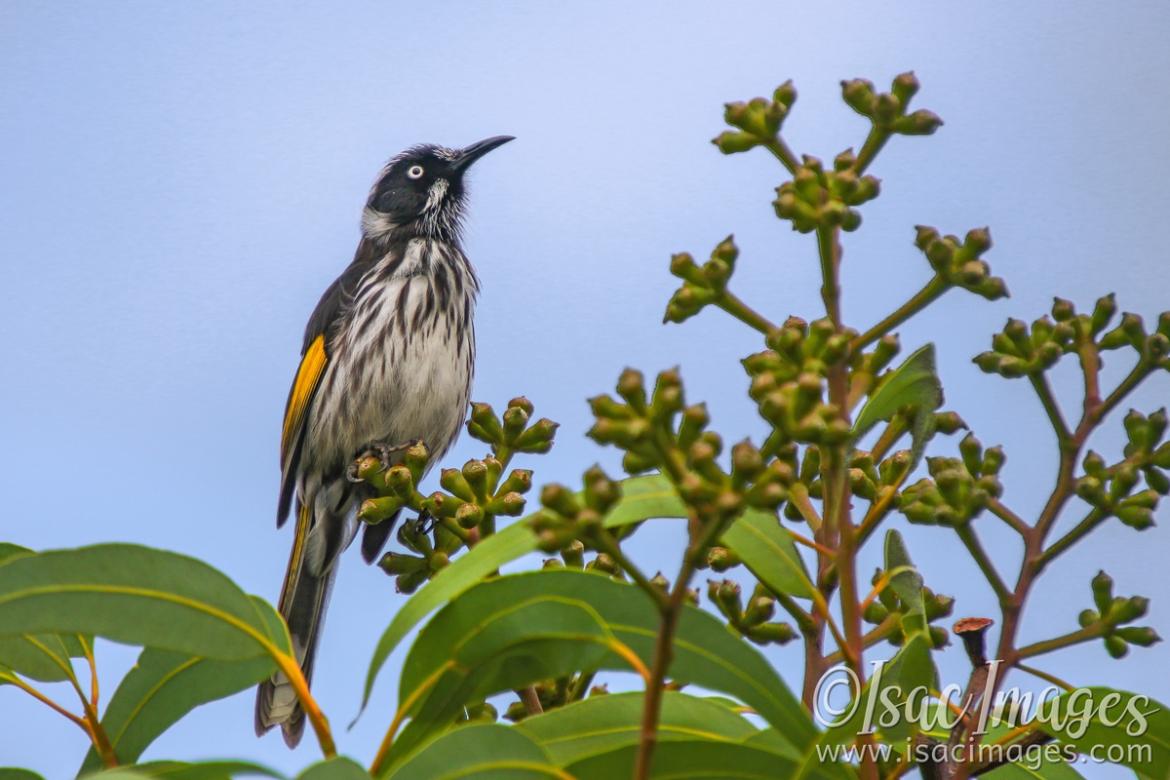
975,548
1014,521
731,304
931,291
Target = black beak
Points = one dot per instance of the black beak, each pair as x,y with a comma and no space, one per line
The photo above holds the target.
470,154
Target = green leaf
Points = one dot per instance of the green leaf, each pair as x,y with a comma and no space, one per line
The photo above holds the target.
163,687
914,385
514,630
43,657
182,770
485,751
603,723
464,572
1134,726
339,768
9,550
769,553
692,760
15,773
135,595
907,584
642,498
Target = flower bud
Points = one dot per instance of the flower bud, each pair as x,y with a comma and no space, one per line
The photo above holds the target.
484,425
538,438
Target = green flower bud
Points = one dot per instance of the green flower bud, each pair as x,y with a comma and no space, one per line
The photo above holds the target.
560,499
939,637
538,438
875,612
1063,310
408,583
921,122
859,95
1142,636
776,633
631,387
453,482
573,554
510,504
1102,585
733,141
1157,480
377,510
905,86
1088,617
1116,646
1103,312
397,563
1138,518
484,425
785,94
759,610
721,559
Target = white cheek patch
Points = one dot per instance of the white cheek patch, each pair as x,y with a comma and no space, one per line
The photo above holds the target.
435,195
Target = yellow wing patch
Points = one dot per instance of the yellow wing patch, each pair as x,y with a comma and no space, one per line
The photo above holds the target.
308,376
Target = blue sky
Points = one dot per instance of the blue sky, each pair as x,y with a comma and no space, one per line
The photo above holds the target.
180,182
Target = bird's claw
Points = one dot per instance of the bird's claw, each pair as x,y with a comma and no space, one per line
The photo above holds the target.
385,453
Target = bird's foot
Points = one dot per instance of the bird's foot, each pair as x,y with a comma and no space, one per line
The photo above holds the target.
387,454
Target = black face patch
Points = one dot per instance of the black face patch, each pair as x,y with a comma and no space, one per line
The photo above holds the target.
403,196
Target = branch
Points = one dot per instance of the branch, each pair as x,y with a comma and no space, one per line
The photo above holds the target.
975,548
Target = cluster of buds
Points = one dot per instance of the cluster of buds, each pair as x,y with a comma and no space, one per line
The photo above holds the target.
1111,615
660,430
753,621
817,198
936,607
874,481
888,110
474,495
958,488
1018,350
512,433
1152,348
701,284
568,522
1109,489
960,263
788,381
756,121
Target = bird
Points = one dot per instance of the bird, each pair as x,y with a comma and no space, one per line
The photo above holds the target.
387,361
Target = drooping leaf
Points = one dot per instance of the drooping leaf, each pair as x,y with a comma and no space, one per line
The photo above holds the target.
1094,719
907,584
914,385
603,723
486,751
164,686
768,552
339,768
135,595
514,630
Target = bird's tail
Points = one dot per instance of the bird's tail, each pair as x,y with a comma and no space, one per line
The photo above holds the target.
303,600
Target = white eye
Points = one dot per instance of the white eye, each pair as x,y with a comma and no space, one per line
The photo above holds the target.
415,172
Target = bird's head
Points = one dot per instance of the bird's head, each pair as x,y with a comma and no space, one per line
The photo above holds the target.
420,192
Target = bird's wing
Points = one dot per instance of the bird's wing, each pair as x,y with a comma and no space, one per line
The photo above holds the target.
315,356
292,433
